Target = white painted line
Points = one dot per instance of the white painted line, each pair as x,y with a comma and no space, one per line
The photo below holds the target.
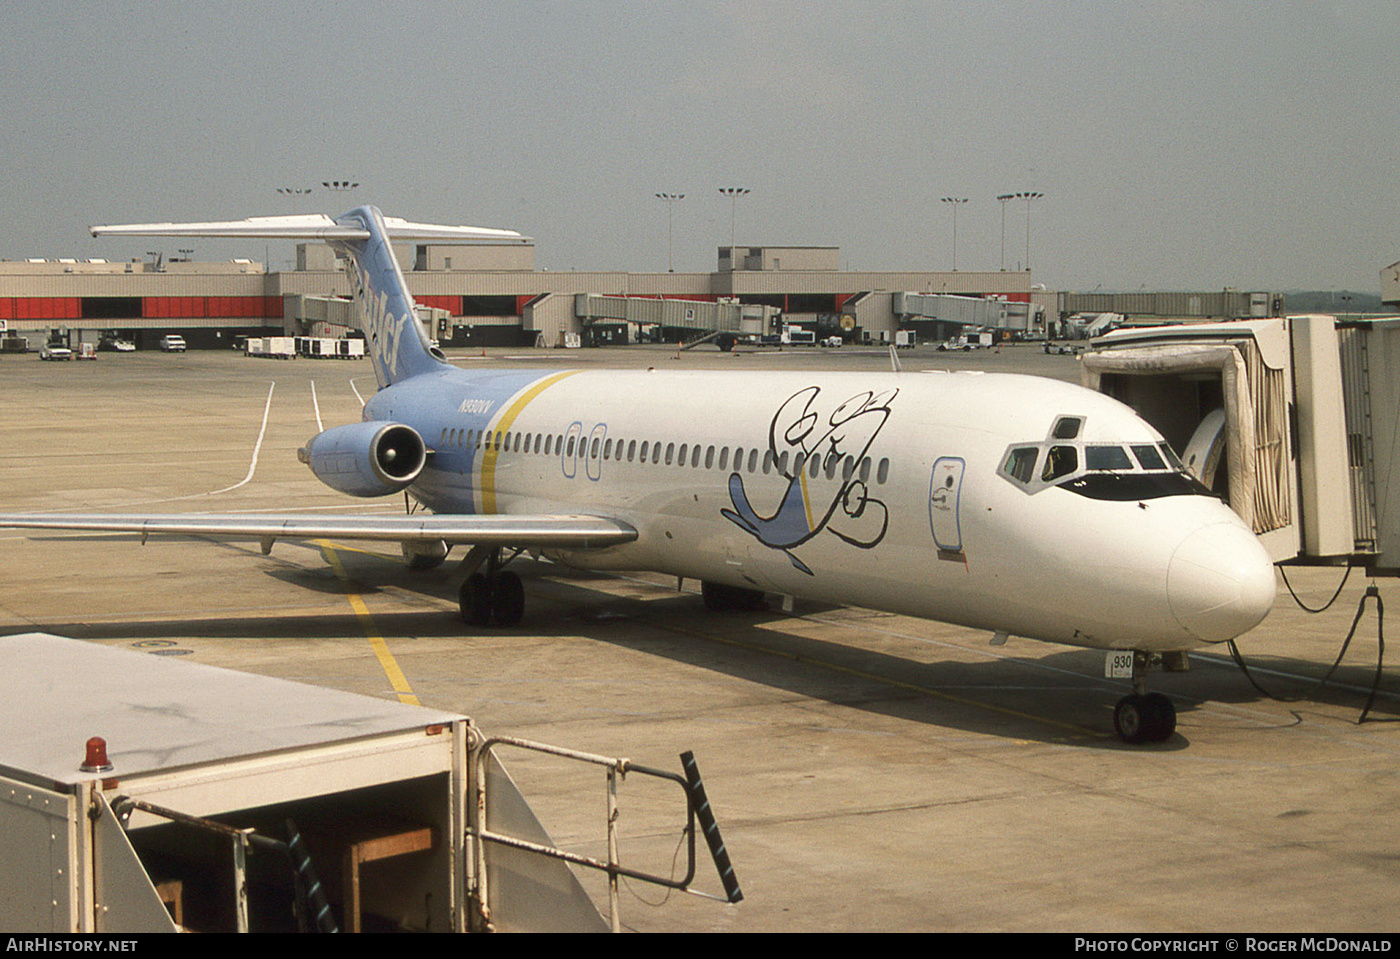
257,447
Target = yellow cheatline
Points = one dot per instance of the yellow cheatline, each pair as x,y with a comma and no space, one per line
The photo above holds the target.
806,500
376,642
502,425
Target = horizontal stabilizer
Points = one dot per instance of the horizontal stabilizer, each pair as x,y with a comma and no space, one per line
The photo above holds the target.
312,226
541,531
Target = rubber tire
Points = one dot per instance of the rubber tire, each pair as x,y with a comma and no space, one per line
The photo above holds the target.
507,599
1163,713
1144,719
720,598
474,600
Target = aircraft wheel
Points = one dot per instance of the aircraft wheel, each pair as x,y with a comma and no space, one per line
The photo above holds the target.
1164,716
720,598
507,600
1144,719
716,597
474,600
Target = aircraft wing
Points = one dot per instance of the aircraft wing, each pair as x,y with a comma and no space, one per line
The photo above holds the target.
541,531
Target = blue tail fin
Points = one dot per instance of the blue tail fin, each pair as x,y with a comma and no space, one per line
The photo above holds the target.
394,338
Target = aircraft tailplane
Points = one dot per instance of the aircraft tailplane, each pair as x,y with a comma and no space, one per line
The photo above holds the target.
383,306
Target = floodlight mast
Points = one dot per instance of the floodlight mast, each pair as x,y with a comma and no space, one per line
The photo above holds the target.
1003,198
955,202
733,192
1028,196
671,200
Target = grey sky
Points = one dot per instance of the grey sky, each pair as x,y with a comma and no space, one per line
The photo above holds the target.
1184,144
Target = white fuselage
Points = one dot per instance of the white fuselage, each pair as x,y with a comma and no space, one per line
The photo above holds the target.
903,500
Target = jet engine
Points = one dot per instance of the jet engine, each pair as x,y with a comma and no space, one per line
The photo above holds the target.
366,459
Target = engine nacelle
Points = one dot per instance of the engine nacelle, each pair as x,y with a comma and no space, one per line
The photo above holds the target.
366,459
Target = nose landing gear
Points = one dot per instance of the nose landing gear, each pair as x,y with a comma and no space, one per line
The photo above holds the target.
1142,717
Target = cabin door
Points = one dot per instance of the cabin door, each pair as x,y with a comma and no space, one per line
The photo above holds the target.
944,499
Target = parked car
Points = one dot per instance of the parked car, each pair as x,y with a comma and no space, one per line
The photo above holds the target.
55,351
172,344
115,344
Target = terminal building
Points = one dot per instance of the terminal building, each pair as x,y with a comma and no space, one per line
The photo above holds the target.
492,295
482,295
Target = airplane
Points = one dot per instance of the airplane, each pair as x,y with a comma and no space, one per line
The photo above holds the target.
1015,504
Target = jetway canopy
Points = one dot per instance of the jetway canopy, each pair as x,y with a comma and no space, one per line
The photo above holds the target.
1299,411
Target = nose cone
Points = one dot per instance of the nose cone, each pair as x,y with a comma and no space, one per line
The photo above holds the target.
1220,582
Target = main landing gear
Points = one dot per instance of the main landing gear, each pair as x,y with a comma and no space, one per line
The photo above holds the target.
1143,717
719,598
493,596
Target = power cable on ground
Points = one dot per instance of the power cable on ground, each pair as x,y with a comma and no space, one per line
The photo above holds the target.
1372,591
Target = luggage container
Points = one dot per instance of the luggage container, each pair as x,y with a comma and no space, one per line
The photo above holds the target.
142,793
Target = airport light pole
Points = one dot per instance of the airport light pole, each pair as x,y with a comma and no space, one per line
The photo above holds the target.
733,192
340,186
295,194
671,200
1028,197
1003,198
955,202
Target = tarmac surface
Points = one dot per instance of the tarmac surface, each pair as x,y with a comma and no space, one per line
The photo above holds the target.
868,771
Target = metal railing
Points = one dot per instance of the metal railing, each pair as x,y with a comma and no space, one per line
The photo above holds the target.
697,811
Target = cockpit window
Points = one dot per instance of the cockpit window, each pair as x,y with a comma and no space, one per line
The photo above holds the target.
1020,464
1130,471
1107,458
1067,427
1062,461
1149,457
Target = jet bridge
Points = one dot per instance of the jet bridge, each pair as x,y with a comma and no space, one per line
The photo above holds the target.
145,794
1291,419
939,315
726,322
